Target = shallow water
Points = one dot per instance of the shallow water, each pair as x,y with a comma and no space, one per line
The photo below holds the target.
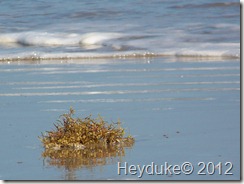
178,109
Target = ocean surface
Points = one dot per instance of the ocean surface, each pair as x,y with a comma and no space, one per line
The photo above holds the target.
94,29
168,69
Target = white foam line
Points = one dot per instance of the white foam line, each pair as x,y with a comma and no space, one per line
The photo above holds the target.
197,55
30,69
116,92
211,75
138,70
64,71
54,110
127,100
44,83
126,84
85,83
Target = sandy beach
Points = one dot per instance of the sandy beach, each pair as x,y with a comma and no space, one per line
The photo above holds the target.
178,109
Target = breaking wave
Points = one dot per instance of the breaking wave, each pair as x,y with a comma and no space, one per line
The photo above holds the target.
44,45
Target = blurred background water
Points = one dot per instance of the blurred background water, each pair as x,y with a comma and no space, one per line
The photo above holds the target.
78,29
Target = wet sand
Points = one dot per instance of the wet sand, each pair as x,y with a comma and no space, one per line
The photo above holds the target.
179,110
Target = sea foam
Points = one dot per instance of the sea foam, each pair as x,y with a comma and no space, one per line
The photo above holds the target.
45,45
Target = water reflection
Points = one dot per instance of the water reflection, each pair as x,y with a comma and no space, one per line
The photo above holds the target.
88,158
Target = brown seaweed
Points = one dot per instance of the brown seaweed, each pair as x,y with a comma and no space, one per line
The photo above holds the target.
77,142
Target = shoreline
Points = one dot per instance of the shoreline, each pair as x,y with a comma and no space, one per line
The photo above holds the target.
122,57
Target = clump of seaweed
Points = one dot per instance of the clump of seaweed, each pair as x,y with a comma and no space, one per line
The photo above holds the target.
79,133
88,142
